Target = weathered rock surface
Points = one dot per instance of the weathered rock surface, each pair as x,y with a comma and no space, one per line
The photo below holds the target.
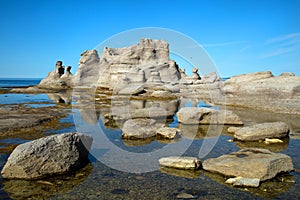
13,119
147,61
264,91
58,79
52,155
168,132
250,163
140,128
262,131
183,162
201,115
246,182
209,78
131,89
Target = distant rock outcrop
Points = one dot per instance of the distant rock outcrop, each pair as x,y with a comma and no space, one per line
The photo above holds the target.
58,79
264,91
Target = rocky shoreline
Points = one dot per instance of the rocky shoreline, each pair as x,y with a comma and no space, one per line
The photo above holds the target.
140,91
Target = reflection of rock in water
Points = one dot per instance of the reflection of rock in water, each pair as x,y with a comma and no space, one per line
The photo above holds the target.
180,172
65,97
250,116
43,189
196,132
276,147
267,189
137,142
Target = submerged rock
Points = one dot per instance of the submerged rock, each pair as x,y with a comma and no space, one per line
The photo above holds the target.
200,115
52,155
183,162
140,128
250,163
246,182
262,131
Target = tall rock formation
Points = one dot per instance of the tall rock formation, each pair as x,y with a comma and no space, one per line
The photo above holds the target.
146,62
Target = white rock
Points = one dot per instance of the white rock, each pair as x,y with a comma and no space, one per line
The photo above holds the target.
183,162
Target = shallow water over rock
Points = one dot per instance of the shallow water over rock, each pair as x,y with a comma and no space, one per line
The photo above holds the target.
143,178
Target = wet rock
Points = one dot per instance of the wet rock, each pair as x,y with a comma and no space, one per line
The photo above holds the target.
200,115
262,131
140,128
20,118
250,163
243,182
186,196
52,155
183,162
168,132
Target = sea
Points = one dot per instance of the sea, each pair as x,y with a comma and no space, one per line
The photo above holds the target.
18,82
118,168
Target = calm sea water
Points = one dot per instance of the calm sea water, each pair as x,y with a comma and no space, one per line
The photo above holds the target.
18,82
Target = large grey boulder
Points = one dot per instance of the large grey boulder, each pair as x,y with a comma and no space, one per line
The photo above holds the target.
250,163
184,162
140,128
52,155
262,131
201,115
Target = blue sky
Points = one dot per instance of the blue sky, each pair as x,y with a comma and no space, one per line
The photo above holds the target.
241,36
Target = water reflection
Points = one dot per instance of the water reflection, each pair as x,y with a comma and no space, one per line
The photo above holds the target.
43,189
276,147
181,173
267,189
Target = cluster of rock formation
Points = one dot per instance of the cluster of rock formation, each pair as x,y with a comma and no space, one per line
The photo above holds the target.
60,78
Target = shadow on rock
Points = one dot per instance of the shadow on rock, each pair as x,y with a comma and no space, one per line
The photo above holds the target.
267,189
43,189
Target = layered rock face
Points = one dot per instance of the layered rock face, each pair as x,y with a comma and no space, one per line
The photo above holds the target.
146,62
264,91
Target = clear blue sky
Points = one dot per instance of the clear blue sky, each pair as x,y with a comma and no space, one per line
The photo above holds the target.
241,36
